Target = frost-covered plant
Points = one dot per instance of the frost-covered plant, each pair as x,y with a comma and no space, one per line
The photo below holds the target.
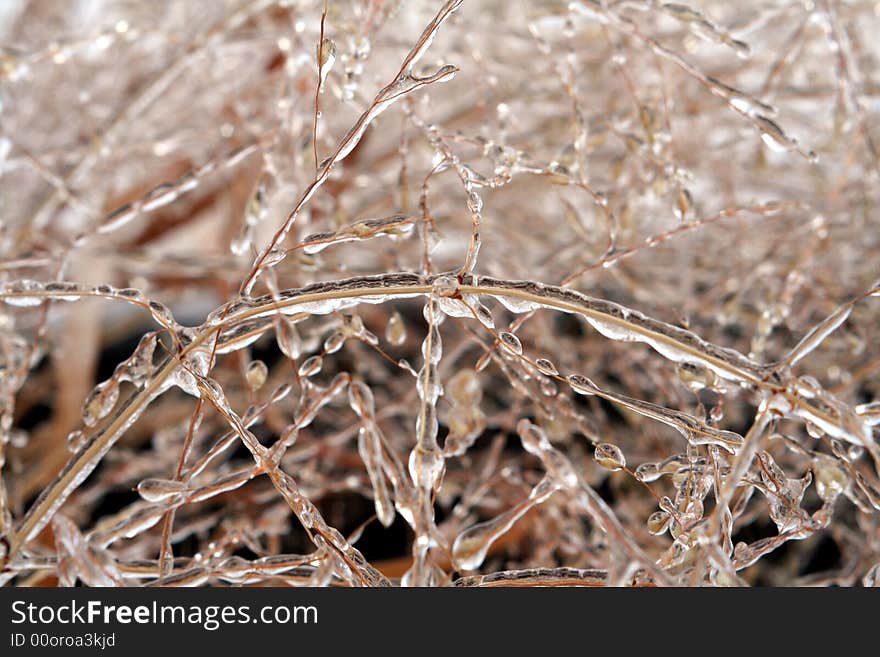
476,293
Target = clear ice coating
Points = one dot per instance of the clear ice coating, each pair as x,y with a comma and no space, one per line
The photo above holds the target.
524,294
510,342
395,329
609,456
160,490
394,227
546,366
256,374
471,546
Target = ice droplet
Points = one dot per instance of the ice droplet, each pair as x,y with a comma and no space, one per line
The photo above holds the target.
510,342
484,316
774,136
658,522
328,58
256,375
160,490
445,286
334,342
100,402
63,291
609,457
696,377
288,338
546,367
20,289
395,330
648,472
831,477
581,384
370,450
311,366
75,440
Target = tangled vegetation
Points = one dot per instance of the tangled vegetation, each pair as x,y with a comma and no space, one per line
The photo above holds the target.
408,293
